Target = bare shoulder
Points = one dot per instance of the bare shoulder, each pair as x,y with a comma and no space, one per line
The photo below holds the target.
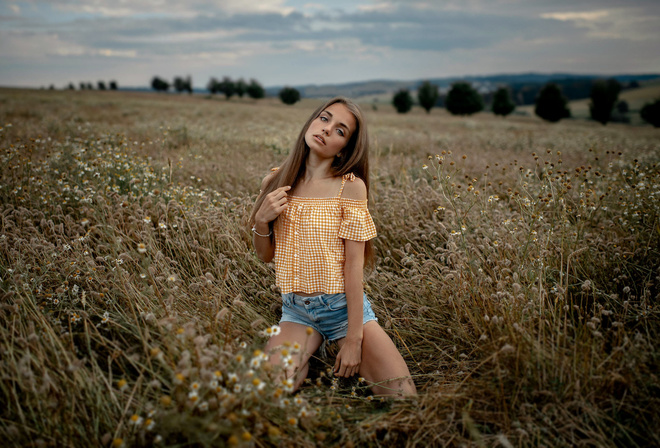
355,189
269,177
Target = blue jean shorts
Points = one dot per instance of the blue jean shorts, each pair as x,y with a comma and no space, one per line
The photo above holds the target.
327,313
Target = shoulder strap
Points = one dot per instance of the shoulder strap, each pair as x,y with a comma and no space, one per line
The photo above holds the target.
349,176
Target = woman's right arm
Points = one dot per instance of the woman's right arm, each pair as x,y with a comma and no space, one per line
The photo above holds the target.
272,206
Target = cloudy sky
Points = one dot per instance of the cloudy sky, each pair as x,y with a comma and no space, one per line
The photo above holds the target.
299,42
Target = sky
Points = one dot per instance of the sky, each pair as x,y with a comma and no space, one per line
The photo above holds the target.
298,42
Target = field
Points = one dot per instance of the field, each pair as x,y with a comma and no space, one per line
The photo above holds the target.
518,271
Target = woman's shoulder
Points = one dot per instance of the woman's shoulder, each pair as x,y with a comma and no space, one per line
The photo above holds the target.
354,188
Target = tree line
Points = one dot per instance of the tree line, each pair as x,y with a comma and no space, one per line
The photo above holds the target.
550,103
226,86
86,85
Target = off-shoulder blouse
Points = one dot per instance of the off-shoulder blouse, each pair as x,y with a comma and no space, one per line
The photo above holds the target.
309,246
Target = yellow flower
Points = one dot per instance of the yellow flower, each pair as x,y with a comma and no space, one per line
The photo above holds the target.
142,248
292,421
246,436
122,384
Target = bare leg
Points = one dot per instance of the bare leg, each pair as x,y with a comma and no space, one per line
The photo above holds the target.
292,333
382,364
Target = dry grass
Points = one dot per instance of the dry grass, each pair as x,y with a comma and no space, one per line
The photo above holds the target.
517,271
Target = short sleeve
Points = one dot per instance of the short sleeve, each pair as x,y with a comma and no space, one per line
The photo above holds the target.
356,222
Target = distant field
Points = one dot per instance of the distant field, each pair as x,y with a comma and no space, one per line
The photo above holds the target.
517,271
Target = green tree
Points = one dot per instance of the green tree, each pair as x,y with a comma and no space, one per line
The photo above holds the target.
241,87
227,86
179,84
255,90
289,95
651,113
113,85
463,99
402,101
551,104
428,95
502,104
101,85
159,85
604,95
71,86
82,85
212,86
90,86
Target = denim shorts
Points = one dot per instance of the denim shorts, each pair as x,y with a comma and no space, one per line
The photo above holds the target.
327,313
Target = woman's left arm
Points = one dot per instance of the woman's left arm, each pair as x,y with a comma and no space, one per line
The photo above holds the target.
350,354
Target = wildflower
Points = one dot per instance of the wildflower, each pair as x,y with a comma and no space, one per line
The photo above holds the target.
255,362
292,421
309,331
233,440
179,378
361,380
203,406
149,424
171,278
118,443
288,384
193,396
122,384
162,225
303,413
240,358
194,386
166,400
273,431
295,347
237,388
298,400
147,219
232,378
142,248
136,420
106,318
370,398
425,167
258,384
246,436
218,375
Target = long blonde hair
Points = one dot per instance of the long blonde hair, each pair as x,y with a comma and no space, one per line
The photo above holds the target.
354,159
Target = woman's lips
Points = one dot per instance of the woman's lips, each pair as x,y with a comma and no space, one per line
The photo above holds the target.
319,138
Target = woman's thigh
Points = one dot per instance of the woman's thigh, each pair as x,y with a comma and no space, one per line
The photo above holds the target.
294,341
382,365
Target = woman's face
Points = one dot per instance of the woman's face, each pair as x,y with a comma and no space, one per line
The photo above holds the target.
330,131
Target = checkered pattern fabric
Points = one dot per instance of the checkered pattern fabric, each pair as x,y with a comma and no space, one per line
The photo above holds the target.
309,246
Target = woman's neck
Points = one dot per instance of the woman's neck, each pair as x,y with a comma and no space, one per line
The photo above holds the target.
317,169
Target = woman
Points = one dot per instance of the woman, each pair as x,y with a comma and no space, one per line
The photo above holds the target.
312,219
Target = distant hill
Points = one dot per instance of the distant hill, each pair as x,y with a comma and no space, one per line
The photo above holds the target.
524,86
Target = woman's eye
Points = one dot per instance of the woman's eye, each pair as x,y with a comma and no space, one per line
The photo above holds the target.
324,119
340,132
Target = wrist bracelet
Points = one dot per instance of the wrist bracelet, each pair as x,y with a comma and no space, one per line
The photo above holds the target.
254,230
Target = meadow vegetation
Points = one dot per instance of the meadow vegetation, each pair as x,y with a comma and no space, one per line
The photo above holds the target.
517,271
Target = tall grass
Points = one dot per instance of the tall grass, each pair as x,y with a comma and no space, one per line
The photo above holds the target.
517,272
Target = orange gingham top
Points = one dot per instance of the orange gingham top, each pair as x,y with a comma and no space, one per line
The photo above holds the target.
309,246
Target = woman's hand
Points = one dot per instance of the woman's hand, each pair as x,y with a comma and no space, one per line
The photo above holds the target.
349,358
273,205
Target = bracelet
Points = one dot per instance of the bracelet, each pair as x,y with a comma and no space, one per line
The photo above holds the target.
254,230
